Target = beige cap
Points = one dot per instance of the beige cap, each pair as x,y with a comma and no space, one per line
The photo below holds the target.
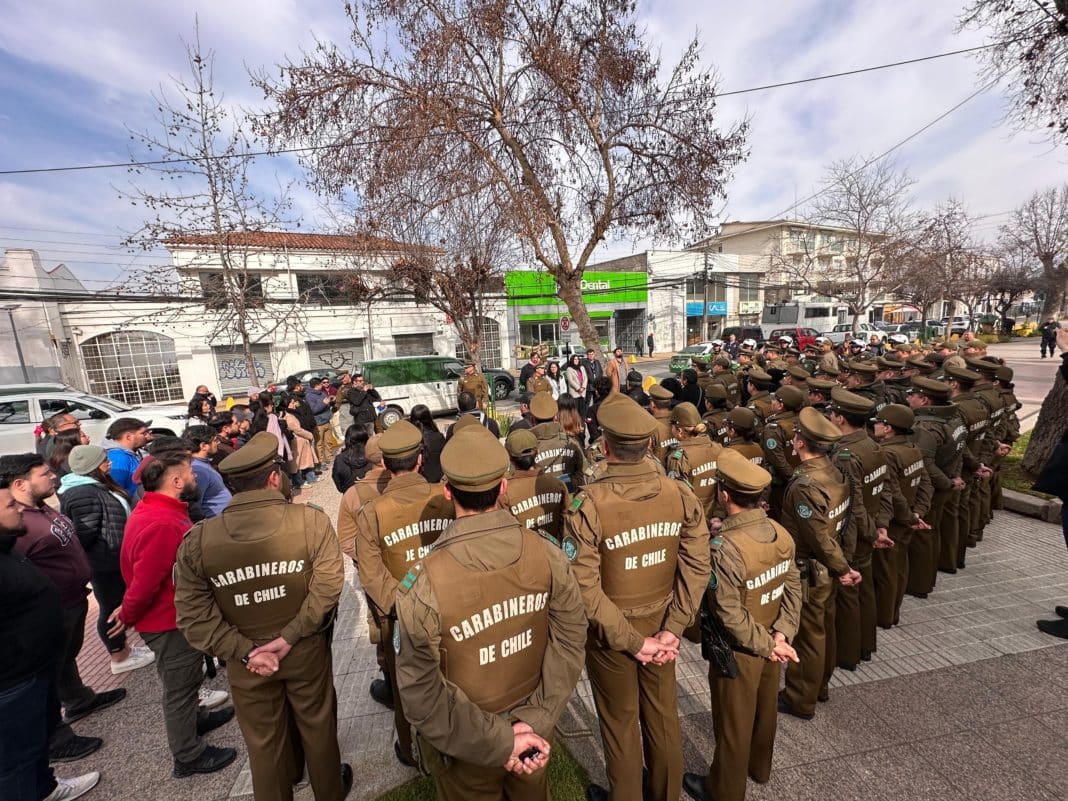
685,414
543,407
815,426
625,420
736,472
474,460
401,439
521,442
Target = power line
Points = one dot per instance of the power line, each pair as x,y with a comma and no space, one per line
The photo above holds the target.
313,148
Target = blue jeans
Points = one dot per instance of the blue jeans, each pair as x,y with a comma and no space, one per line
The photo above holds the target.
24,732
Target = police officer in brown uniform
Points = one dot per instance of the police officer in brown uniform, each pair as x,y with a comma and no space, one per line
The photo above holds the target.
993,448
393,531
660,408
777,441
258,586
1010,427
717,411
474,383
892,428
640,545
538,383
939,432
819,392
976,419
862,379
815,510
490,638
559,454
756,595
723,371
537,499
863,465
693,459
759,387
741,428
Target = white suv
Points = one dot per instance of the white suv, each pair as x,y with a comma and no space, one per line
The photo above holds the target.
24,406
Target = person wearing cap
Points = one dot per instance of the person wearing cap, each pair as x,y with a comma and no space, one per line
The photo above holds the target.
757,599
664,439
723,371
895,379
862,378
490,638
560,455
819,392
259,586
393,531
939,431
976,416
716,414
693,458
474,382
634,390
993,449
536,498
758,388
524,420
538,382
742,434
127,436
953,356
777,438
638,545
815,511
796,376
863,464
1010,427
892,427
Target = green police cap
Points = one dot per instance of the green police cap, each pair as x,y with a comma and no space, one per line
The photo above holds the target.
975,344
799,372
823,385
900,417
699,361
862,368
758,376
716,391
657,392
982,366
920,363
963,375
790,397
256,454
543,407
474,460
843,400
723,361
625,420
736,472
521,443
831,370
1004,374
939,390
889,364
685,414
401,439
742,419
814,426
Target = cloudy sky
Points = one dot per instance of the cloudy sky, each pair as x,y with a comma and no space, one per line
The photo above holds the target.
75,76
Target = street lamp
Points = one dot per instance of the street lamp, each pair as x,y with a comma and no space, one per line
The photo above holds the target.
10,309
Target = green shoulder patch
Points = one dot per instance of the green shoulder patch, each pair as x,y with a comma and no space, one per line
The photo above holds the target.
716,541
550,538
576,502
677,454
411,577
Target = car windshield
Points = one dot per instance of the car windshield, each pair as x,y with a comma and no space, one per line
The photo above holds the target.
693,349
108,403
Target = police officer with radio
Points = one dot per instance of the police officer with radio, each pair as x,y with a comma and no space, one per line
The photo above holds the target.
559,454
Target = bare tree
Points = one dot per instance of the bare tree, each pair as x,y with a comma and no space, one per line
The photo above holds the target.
201,199
1011,280
557,104
857,221
1030,39
1040,228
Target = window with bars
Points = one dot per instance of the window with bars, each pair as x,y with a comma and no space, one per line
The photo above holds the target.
135,367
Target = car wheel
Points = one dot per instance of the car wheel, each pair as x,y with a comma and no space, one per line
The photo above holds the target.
501,389
390,416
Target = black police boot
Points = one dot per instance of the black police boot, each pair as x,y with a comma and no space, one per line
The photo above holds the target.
594,792
346,779
865,656
403,758
213,720
1056,628
786,709
382,692
1061,611
694,785
211,760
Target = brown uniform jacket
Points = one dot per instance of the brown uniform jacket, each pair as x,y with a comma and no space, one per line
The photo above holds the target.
740,534
813,511
694,461
760,405
257,520
610,625
913,498
476,385
717,426
427,511
437,708
863,466
777,441
976,419
663,438
560,454
370,486
939,432
537,500
750,450
538,383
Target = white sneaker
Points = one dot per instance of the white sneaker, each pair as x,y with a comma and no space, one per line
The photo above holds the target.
138,658
209,699
69,789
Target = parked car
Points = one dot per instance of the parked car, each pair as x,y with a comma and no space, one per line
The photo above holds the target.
683,359
24,406
304,376
800,336
957,325
744,332
406,381
841,333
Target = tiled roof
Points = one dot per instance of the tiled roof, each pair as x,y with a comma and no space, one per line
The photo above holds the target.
292,241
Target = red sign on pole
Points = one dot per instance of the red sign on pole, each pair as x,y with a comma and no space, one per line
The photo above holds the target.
565,323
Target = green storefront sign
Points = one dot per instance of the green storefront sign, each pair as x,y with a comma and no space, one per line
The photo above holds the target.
529,288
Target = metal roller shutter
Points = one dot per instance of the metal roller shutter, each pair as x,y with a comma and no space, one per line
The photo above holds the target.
233,375
336,354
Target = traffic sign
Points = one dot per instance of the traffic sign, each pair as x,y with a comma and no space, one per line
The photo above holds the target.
565,323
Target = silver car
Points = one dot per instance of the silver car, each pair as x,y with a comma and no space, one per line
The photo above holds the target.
24,406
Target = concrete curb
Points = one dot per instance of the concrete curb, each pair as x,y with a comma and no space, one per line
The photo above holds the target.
1030,506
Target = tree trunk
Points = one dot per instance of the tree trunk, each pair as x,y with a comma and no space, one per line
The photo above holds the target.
1052,420
1055,293
569,289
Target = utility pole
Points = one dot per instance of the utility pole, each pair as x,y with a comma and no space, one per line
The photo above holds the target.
704,306
18,345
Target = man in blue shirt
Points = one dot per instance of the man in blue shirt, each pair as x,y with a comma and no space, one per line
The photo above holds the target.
212,493
128,436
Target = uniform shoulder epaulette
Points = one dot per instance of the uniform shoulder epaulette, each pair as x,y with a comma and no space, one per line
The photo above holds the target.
550,538
844,454
195,527
410,577
576,503
677,454
316,507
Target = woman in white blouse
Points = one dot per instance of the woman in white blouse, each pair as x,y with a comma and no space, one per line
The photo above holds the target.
577,382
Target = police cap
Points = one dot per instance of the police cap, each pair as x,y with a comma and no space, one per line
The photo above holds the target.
624,420
798,372
742,419
974,344
543,407
900,417
939,390
983,366
634,377
889,364
685,414
821,385
372,451
723,361
862,368
759,376
921,364
474,460
257,454
843,400
401,439
736,472
814,426
831,370
716,391
790,397
963,375
657,392
1004,374
521,442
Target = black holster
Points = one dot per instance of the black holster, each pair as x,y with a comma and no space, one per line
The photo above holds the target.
717,645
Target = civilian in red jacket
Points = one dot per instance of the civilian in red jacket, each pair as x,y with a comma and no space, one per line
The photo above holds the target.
149,547
53,547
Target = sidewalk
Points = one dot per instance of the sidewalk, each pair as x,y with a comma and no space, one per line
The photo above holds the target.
966,698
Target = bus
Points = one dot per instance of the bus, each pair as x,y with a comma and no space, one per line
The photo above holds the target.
803,312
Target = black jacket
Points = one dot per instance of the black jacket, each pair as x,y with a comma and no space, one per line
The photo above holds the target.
433,442
30,625
362,404
303,412
349,466
99,520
